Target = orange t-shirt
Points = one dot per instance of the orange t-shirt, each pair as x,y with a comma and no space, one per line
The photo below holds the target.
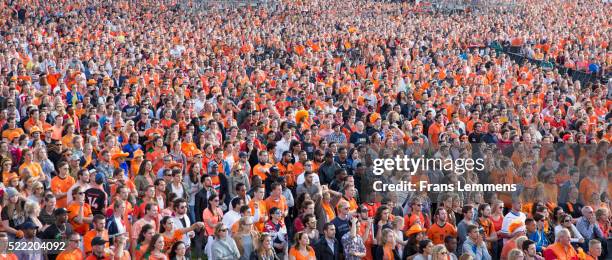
298,256
280,203
61,185
75,254
73,209
177,235
260,170
263,211
89,236
437,233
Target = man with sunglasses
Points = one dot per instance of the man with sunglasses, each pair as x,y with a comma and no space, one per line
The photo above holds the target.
181,220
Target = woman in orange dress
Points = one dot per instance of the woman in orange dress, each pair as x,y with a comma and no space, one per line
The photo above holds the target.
302,249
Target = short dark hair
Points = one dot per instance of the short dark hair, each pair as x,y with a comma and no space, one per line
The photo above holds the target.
529,220
527,243
98,217
327,225
178,201
235,201
244,208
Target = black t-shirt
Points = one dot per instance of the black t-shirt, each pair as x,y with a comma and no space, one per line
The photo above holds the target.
97,199
309,148
359,138
55,233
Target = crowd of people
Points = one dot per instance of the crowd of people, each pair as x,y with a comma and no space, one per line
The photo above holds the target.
164,130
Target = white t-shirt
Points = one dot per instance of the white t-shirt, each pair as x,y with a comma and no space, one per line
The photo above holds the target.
509,218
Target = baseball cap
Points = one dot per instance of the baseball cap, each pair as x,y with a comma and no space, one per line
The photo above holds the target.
243,154
60,211
98,241
28,225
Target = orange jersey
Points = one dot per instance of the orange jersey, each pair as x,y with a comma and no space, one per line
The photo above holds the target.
437,233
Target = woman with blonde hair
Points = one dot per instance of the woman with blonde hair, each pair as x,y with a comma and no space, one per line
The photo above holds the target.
516,254
246,238
32,210
439,252
386,249
37,193
120,253
264,249
223,247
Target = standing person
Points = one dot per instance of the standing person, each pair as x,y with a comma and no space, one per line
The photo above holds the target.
201,198
95,196
264,249
233,215
182,221
73,250
223,247
98,230
150,218
80,215
177,251
277,229
515,214
341,222
440,229
424,249
462,232
387,246
61,183
302,249
29,238
246,237
60,230
120,244
328,247
474,244
212,215
156,248
171,234
353,244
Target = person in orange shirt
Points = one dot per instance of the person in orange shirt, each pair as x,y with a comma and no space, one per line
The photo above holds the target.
72,251
79,214
261,169
99,222
435,129
562,249
34,168
439,230
595,250
259,208
286,169
302,249
98,250
61,183
12,131
276,199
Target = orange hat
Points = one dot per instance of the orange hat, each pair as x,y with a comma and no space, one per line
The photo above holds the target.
516,226
301,115
415,229
118,155
138,153
35,129
175,164
373,117
47,128
91,82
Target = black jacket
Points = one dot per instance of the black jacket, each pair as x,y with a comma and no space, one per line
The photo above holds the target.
201,203
323,252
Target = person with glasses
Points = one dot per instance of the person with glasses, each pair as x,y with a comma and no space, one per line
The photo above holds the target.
439,252
61,183
223,247
246,237
566,223
535,232
73,249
